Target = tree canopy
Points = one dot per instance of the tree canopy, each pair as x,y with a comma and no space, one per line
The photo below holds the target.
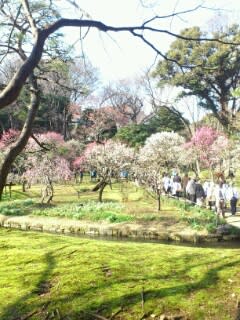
209,70
162,120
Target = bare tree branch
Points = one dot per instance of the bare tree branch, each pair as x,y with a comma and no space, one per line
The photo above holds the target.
173,14
30,19
11,92
10,35
41,145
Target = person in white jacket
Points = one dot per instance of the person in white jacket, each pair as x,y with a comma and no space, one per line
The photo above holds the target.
167,184
210,195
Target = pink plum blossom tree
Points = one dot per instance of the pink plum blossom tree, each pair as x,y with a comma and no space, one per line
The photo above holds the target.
208,148
8,137
45,164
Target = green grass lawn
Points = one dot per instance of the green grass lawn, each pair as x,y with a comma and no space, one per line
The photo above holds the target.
55,277
122,203
125,201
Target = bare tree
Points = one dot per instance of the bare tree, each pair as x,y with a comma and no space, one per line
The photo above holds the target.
157,100
126,98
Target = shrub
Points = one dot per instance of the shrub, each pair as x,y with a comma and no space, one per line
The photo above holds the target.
16,207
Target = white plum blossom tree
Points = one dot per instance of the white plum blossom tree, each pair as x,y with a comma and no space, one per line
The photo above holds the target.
160,153
109,160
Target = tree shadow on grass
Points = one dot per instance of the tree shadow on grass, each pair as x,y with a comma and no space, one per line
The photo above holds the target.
39,205
25,195
129,300
23,306
115,301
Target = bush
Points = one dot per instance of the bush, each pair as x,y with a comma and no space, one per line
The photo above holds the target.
16,207
211,227
200,218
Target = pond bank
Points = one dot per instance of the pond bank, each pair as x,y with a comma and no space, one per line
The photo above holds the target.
131,231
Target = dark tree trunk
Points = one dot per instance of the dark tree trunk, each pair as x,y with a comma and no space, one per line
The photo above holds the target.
24,183
100,186
104,184
20,144
2,127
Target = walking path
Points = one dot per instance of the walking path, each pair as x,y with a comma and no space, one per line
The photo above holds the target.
233,220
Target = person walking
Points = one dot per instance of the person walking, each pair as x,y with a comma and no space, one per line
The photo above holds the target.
176,189
167,184
210,193
232,196
185,180
200,194
191,190
220,197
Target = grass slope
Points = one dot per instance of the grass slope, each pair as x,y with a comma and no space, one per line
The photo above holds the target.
56,277
123,203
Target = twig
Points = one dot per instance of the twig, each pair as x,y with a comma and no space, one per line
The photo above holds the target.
27,316
97,316
70,253
30,314
116,313
142,299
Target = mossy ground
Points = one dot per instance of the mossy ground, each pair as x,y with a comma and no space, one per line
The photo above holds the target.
46,276
73,278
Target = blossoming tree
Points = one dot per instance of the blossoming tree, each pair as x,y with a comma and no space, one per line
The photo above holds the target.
109,160
208,148
45,164
160,153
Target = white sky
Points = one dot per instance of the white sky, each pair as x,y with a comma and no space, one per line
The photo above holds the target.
120,55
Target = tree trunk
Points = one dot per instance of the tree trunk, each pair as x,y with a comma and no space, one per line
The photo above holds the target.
20,144
159,200
212,175
224,113
24,183
47,192
64,123
104,184
198,168
2,127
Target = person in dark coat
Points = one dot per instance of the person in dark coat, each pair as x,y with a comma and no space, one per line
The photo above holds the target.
200,193
191,190
185,180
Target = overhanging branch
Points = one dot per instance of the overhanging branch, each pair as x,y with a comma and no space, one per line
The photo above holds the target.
11,92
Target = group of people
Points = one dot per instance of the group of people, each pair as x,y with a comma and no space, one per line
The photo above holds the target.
215,196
